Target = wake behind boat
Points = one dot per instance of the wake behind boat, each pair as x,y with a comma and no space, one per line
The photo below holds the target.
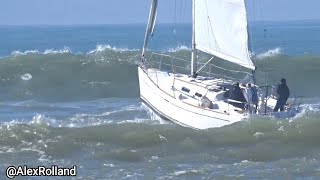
197,101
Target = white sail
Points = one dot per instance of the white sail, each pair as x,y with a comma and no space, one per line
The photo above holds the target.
221,30
151,24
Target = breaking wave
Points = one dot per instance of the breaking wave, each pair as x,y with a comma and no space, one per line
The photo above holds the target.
270,53
107,47
259,135
108,71
65,50
179,48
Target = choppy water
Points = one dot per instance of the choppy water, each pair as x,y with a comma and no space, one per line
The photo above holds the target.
69,96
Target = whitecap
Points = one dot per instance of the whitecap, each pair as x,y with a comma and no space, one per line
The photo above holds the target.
105,47
258,134
65,50
179,48
26,76
270,53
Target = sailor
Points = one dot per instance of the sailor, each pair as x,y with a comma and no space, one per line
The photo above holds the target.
236,94
284,93
251,96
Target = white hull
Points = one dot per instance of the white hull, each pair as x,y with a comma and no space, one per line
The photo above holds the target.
199,102
156,90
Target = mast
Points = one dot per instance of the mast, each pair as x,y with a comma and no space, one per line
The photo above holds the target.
193,52
150,26
250,45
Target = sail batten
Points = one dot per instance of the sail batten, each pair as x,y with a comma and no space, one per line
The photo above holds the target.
221,30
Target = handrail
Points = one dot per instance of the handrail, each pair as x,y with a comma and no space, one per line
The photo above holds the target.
186,67
239,102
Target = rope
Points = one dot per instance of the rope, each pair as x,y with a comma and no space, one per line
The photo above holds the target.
232,71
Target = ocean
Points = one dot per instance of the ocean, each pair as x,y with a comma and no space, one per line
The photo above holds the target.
69,96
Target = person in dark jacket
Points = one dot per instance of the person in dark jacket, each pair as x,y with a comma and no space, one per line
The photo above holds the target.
284,93
236,94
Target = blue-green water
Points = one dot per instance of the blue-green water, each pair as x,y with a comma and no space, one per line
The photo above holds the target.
69,96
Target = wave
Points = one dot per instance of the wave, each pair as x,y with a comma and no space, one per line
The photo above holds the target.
76,115
270,53
100,48
107,47
107,111
129,141
69,76
109,71
65,50
179,48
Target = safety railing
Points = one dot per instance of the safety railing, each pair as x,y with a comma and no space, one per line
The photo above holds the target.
237,103
165,62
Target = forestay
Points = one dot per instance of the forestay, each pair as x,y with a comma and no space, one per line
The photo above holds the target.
221,30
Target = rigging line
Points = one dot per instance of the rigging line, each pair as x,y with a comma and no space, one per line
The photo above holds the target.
265,33
175,22
181,9
250,26
175,13
205,64
210,27
254,19
232,71
166,55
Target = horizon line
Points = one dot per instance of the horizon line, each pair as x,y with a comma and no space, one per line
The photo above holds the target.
159,23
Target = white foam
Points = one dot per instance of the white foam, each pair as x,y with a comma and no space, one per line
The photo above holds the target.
106,47
179,48
270,53
26,77
258,134
151,113
138,121
98,49
109,165
65,50
40,119
86,119
162,138
178,173
19,53
193,171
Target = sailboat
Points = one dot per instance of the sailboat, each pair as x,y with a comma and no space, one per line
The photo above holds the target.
219,29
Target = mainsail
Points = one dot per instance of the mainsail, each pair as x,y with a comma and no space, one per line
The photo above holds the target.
221,30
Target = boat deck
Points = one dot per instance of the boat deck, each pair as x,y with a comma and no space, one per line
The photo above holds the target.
191,90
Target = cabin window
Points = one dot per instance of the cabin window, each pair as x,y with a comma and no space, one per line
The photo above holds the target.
215,90
198,94
185,89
